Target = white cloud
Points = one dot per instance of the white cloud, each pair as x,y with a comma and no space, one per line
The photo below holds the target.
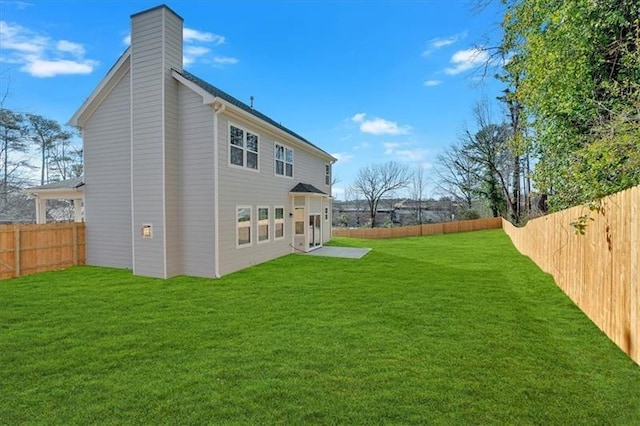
195,48
412,155
379,126
390,147
405,152
343,157
20,5
190,35
358,117
362,145
464,60
432,83
225,60
44,68
191,53
440,42
39,55
70,47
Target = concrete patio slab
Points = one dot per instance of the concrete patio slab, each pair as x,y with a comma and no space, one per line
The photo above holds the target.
345,252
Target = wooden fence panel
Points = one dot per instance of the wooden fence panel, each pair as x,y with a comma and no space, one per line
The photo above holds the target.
599,270
420,230
28,249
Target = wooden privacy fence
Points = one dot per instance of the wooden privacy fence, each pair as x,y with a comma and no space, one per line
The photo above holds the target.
27,249
599,270
420,230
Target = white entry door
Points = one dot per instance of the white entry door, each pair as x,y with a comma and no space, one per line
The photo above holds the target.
315,231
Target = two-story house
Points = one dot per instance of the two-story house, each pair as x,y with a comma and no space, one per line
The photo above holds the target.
182,178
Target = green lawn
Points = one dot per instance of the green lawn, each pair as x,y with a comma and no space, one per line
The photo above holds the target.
453,329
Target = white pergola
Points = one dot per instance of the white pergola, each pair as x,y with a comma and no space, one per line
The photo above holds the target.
70,189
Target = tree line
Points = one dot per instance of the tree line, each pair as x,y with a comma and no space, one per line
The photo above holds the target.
569,131
34,150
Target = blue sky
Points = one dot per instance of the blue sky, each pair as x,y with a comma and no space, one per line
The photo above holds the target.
366,81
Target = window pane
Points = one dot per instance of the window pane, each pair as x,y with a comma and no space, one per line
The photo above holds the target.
244,214
236,136
279,152
236,156
279,167
279,230
244,235
289,170
263,232
252,160
263,213
289,156
279,213
300,228
252,142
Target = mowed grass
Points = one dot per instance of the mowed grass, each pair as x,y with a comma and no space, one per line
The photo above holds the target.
453,329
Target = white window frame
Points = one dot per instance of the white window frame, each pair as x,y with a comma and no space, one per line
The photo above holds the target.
277,221
244,148
327,174
263,222
250,224
284,162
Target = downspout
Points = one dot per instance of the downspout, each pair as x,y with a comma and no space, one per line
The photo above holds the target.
218,107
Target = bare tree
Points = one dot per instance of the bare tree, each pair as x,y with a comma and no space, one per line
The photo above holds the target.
418,188
488,148
457,176
377,180
12,142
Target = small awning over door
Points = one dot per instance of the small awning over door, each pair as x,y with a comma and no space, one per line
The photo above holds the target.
306,189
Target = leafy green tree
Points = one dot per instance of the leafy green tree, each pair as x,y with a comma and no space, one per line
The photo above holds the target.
575,68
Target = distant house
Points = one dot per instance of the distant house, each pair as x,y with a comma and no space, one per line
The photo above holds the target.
182,178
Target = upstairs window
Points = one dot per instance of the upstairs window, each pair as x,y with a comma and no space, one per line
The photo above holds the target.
243,148
327,174
284,161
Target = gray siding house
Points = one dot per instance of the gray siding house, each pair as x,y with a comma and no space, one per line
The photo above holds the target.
182,178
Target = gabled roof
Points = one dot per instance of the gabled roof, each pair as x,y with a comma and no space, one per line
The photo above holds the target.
213,90
305,188
122,65
110,80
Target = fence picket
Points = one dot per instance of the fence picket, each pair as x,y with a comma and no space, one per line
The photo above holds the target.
598,270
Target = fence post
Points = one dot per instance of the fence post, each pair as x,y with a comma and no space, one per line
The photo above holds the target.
16,251
75,243
634,290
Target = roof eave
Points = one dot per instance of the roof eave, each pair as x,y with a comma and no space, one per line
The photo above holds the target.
276,130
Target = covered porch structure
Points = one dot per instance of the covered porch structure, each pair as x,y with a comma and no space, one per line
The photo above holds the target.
70,189
311,217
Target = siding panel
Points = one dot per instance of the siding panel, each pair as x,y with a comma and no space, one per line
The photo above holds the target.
196,189
107,147
244,187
